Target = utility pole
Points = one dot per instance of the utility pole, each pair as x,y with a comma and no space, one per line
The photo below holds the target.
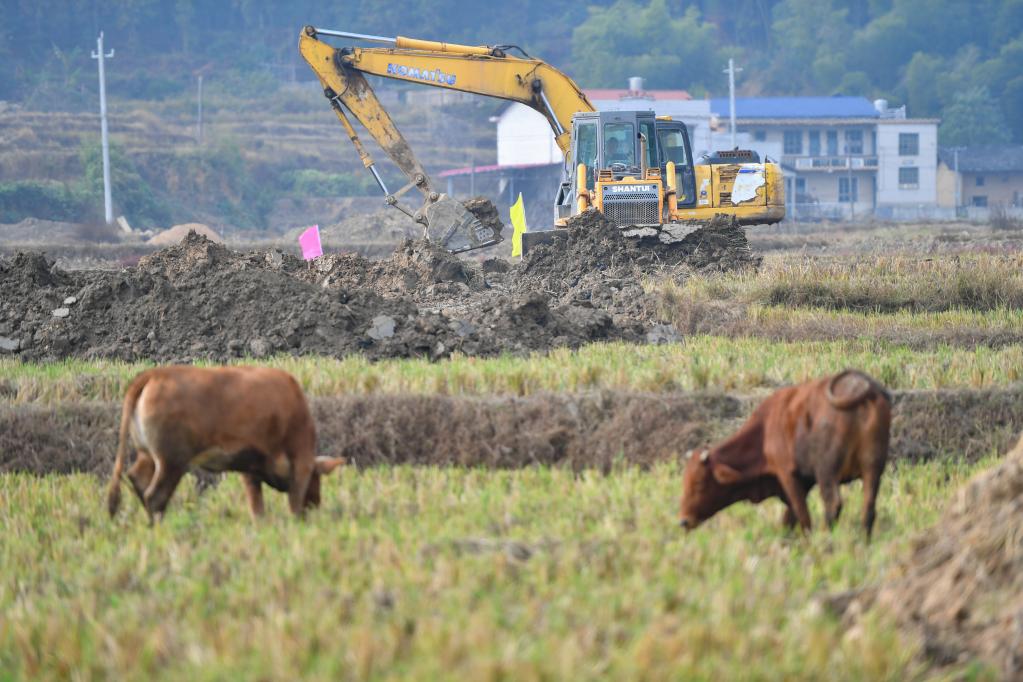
955,164
198,115
731,70
100,56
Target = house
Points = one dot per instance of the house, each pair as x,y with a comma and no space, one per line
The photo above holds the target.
843,157
981,176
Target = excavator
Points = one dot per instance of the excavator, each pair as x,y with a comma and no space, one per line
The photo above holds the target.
633,166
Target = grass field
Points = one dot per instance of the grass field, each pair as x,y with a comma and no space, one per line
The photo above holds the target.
424,573
699,363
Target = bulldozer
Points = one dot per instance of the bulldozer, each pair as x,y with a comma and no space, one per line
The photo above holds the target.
635,167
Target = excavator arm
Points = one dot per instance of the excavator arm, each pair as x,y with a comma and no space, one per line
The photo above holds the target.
481,70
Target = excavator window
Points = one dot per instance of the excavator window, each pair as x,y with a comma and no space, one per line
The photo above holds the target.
619,144
586,149
673,147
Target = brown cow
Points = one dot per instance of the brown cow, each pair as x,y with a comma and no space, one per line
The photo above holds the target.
828,431
254,420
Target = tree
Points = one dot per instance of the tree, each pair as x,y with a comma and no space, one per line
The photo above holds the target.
810,39
630,39
973,118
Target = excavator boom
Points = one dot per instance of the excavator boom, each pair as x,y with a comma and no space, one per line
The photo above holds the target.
636,168
480,70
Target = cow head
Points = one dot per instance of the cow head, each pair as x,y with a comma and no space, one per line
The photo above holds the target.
706,488
324,465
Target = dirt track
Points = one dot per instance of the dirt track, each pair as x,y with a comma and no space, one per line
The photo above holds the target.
199,299
586,430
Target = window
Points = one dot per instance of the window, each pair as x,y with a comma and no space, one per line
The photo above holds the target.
909,144
586,149
673,146
793,142
619,144
760,135
980,201
854,142
909,177
800,189
848,190
980,181
832,143
815,143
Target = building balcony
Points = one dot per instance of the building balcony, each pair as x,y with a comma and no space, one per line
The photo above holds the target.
831,163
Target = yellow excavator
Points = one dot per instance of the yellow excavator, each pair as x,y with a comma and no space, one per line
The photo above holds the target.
635,167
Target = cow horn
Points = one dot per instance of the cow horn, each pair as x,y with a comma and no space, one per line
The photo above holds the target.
688,455
704,456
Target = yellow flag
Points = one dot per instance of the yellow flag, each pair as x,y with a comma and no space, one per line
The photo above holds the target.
518,221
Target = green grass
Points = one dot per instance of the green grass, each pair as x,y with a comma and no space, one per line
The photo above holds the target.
423,573
700,363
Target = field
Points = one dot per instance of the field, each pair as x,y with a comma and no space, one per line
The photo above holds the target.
430,573
514,515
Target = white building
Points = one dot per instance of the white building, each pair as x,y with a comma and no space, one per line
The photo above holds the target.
843,157
525,138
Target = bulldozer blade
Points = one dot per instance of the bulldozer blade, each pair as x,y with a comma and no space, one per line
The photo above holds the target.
450,224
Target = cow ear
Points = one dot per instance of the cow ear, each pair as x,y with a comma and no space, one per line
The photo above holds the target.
324,465
724,474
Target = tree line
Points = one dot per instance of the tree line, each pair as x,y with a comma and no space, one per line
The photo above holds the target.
955,59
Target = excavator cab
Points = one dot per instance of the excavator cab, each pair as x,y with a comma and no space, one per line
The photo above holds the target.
618,162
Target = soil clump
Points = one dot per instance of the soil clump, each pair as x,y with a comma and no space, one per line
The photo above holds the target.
199,299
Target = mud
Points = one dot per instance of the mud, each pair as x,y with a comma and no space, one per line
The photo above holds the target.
593,430
201,300
960,588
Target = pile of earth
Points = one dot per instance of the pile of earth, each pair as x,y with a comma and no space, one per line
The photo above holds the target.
198,299
960,589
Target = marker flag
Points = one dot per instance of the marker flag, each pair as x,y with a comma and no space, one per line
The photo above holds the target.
310,243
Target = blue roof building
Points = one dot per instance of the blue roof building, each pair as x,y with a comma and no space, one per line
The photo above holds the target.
844,157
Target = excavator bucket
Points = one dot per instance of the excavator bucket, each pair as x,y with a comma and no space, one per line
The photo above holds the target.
453,226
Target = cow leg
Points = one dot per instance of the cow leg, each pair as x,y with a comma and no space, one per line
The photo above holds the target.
832,500
165,481
301,473
871,483
788,519
141,475
254,493
795,495
312,494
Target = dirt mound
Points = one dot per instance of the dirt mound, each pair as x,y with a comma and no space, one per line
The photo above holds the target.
414,269
593,246
199,299
386,225
961,587
176,234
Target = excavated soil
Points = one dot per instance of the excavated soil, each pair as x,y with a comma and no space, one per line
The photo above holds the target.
200,300
590,430
960,589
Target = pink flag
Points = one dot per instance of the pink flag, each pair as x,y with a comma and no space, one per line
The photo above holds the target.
310,243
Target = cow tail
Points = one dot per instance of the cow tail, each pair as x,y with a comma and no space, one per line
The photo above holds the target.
131,397
851,401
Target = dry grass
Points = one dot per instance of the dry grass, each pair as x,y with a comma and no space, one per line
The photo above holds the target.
424,573
700,363
902,300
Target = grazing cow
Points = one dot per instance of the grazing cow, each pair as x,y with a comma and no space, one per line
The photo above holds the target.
828,431
254,420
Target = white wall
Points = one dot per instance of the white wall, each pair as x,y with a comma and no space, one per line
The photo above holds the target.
524,137
889,162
